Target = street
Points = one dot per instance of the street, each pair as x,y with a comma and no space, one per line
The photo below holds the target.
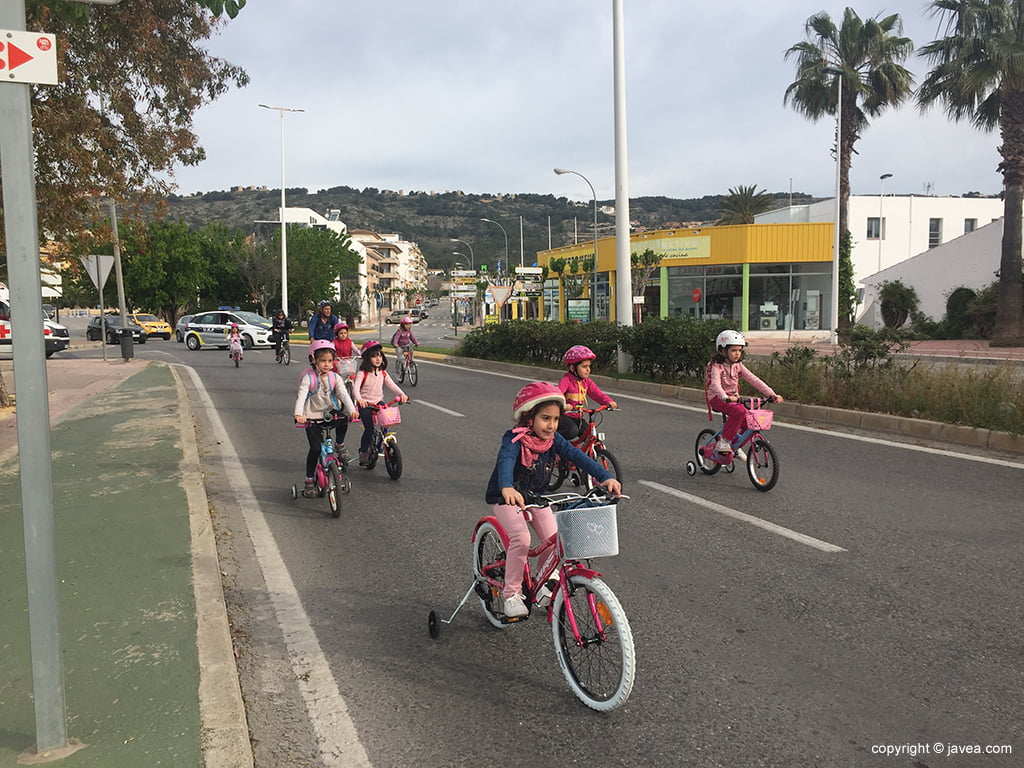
753,648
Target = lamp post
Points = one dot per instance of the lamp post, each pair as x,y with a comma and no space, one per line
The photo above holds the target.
593,275
472,261
284,228
881,196
506,238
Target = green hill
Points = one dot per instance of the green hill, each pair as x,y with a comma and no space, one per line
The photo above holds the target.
432,218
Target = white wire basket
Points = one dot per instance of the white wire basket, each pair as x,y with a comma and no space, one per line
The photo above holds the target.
588,532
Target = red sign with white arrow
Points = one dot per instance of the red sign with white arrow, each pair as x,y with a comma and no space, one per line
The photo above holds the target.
28,57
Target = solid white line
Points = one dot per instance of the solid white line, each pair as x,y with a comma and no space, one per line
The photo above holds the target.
810,541
335,732
439,408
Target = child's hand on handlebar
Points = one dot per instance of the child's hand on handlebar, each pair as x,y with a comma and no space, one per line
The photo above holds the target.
613,486
513,497
300,419
403,399
612,405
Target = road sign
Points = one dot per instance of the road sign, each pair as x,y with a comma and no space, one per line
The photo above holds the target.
98,266
528,271
379,298
463,273
28,57
500,293
696,295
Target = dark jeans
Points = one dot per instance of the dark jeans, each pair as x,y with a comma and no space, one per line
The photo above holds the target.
366,414
569,427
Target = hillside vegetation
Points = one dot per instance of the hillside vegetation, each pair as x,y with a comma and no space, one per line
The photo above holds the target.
430,219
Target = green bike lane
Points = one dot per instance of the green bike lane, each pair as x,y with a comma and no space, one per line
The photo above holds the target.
128,609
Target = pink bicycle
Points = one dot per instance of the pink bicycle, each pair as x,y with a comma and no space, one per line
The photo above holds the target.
591,633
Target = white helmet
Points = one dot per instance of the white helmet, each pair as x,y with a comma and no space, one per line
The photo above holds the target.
729,339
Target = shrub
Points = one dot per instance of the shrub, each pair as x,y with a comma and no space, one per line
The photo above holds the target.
668,349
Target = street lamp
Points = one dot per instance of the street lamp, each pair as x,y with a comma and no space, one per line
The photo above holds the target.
471,259
881,196
491,221
593,275
284,228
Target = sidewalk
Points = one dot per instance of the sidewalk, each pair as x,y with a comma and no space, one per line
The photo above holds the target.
149,673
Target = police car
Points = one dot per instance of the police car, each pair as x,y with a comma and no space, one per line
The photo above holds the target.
55,335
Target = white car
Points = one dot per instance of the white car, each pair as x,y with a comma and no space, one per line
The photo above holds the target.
212,328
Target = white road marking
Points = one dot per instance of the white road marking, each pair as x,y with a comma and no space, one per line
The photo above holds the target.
439,408
335,732
810,541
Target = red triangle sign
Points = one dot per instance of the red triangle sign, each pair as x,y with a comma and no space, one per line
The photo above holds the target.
16,57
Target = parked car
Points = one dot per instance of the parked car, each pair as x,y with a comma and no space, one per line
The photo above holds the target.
398,314
181,327
55,336
109,327
153,325
420,312
213,328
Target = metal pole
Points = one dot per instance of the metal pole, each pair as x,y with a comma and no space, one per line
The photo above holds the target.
834,332
284,227
881,197
33,423
623,291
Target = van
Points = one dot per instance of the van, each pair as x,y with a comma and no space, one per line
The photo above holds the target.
55,335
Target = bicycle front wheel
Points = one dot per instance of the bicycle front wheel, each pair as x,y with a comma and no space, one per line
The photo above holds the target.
414,374
393,459
605,458
334,489
762,464
488,549
601,664
286,354
707,466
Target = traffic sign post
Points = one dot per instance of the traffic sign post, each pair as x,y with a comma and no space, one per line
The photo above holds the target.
98,265
28,57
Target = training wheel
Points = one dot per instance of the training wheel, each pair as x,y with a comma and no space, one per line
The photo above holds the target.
347,487
433,627
295,492
691,468
730,467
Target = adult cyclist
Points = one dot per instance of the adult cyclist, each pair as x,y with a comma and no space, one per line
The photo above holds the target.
321,325
280,329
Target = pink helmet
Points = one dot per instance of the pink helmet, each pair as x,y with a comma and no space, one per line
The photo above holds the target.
532,395
317,345
369,347
578,354
341,324
405,321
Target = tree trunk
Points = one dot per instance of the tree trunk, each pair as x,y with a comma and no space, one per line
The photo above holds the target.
5,398
1009,325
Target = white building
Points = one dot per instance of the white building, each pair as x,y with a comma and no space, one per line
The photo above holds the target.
891,229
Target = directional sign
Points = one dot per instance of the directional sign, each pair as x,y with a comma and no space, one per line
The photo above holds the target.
529,271
98,266
463,273
28,57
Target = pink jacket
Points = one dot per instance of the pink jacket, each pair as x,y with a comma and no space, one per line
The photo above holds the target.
369,386
577,390
723,380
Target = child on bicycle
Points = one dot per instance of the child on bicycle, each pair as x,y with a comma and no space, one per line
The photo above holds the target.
371,379
722,387
235,345
321,396
344,347
577,386
523,468
403,339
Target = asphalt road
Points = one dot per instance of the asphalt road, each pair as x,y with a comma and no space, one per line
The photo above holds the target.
753,648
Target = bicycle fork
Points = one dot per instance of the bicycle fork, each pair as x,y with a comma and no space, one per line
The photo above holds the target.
595,612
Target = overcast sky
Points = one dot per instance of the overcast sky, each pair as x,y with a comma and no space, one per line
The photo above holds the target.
490,95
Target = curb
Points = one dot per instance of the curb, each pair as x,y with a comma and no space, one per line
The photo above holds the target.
920,429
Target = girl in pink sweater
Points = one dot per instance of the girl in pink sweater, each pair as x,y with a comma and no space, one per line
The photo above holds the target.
577,386
368,390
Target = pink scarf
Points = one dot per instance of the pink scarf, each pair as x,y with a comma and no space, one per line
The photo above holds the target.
531,445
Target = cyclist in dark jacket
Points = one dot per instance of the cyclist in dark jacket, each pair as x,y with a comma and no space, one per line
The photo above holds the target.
321,325
280,329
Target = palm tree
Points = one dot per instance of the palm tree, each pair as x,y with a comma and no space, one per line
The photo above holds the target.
979,75
743,203
867,56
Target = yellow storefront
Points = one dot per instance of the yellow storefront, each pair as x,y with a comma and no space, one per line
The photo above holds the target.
764,277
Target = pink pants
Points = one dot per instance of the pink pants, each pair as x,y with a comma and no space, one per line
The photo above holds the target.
515,525
735,417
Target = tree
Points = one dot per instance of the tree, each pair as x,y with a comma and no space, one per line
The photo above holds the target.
259,268
121,119
978,75
866,56
899,302
743,203
317,259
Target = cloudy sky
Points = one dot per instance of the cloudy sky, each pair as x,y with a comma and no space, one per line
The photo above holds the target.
490,95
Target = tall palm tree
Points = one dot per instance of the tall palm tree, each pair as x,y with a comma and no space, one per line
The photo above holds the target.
743,203
979,75
867,56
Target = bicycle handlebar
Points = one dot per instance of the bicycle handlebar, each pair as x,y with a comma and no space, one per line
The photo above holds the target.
378,406
592,410
598,493
746,401
339,416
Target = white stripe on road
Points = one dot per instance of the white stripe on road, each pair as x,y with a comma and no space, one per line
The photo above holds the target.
335,732
439,408
810,541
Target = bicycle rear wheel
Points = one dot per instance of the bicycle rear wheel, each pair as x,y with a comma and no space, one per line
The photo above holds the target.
488,549
375,448
762,464
334,489
393,459
400,373
414,374
707,466
600,667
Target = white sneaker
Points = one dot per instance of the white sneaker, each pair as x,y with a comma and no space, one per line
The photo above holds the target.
740,455
515,606
723,446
